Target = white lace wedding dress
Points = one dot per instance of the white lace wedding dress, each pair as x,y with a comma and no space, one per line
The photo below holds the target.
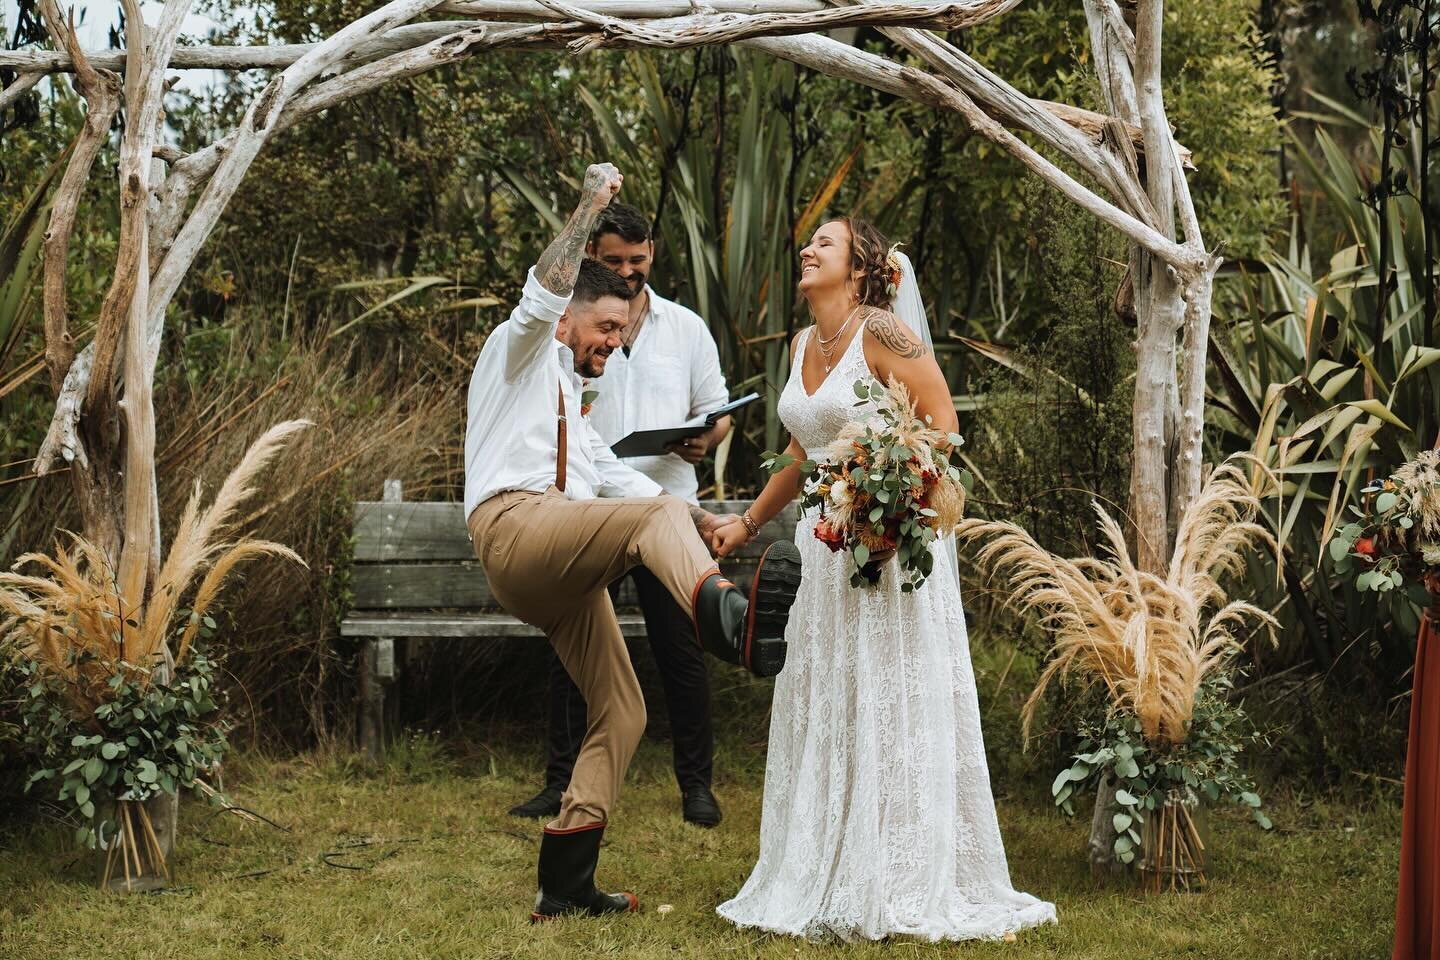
878,818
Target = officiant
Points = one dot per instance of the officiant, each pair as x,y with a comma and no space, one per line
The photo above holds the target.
666,373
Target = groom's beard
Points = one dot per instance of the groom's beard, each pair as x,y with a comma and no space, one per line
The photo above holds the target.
589,368
636,281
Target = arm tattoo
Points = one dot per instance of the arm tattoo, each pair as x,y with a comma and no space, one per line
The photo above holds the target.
893,335
559,265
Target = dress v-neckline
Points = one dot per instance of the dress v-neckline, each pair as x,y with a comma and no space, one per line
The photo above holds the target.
858,334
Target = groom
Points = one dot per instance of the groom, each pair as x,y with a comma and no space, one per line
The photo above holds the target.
667,371
550,548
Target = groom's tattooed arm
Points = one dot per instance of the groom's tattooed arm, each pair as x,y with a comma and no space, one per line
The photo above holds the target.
560,263
893,335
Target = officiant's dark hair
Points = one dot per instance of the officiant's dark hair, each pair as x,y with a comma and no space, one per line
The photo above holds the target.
623,220
869,251
596,280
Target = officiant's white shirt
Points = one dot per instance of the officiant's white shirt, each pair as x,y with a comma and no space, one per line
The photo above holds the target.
510,422
672,376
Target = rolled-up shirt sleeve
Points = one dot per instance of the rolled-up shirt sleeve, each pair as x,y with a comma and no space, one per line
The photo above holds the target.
617,479
707,381
531,330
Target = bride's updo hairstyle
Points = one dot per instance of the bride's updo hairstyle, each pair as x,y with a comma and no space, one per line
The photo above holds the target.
870,252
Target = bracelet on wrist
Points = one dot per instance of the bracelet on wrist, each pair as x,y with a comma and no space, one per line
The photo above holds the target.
751,526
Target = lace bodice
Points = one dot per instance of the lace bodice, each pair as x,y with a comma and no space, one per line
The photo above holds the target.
815,420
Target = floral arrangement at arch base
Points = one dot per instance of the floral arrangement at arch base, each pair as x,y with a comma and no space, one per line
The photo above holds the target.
1159,647
116,716
889,487
1395,542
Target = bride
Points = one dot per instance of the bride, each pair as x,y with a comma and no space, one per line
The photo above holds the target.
877,818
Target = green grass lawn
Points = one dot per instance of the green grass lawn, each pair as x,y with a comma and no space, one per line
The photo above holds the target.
444,873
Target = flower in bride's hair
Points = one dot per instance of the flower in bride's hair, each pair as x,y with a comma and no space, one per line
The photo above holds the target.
893,272
830,535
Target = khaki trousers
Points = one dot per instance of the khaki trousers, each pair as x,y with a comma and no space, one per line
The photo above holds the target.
549,560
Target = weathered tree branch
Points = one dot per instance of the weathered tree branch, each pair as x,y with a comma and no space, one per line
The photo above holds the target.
101,92
23,84
838,59
254,130
705,29
62,440
533,11
787,18
145,91
1113,47
260,57
1089,123
1015,109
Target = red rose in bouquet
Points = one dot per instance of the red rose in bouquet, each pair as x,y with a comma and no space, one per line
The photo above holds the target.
830,535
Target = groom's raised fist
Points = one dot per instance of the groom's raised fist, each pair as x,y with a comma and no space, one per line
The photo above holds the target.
602,183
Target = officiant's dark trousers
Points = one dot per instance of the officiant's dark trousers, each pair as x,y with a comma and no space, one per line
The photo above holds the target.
683,673
549,561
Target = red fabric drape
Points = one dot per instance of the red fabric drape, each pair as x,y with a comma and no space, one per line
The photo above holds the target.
1417,910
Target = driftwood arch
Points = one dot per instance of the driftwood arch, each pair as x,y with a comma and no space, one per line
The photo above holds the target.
104,422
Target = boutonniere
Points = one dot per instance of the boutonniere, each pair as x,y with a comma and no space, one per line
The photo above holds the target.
587,398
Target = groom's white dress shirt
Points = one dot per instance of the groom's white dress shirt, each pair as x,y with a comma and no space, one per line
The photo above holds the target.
511,415
671,377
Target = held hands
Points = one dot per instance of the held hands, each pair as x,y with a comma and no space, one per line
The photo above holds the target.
729,535
602,183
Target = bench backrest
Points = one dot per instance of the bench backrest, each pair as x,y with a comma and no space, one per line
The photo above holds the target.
412,556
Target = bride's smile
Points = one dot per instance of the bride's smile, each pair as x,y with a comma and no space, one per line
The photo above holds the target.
825,261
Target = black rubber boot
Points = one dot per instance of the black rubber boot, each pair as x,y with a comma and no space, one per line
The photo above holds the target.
750,632
567,877
545,804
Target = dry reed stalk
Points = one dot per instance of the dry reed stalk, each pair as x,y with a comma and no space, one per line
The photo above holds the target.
78,609
110,862
1150,639
157,852
127,843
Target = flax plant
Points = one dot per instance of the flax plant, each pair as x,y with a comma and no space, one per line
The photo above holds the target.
1151,640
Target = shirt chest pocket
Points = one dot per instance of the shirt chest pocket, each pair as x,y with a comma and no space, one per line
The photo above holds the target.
667,384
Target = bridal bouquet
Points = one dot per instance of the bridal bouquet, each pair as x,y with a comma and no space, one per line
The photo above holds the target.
888,488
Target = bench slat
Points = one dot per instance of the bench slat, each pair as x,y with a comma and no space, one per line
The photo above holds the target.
381,586
411,531
473,625
436,531
425,586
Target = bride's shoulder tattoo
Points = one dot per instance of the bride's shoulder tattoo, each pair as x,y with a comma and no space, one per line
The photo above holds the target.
893,335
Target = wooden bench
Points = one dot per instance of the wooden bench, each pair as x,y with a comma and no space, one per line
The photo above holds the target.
415,576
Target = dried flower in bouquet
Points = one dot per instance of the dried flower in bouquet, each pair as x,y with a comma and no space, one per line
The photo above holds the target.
888,487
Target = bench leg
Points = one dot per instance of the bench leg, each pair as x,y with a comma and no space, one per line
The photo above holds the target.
377,669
